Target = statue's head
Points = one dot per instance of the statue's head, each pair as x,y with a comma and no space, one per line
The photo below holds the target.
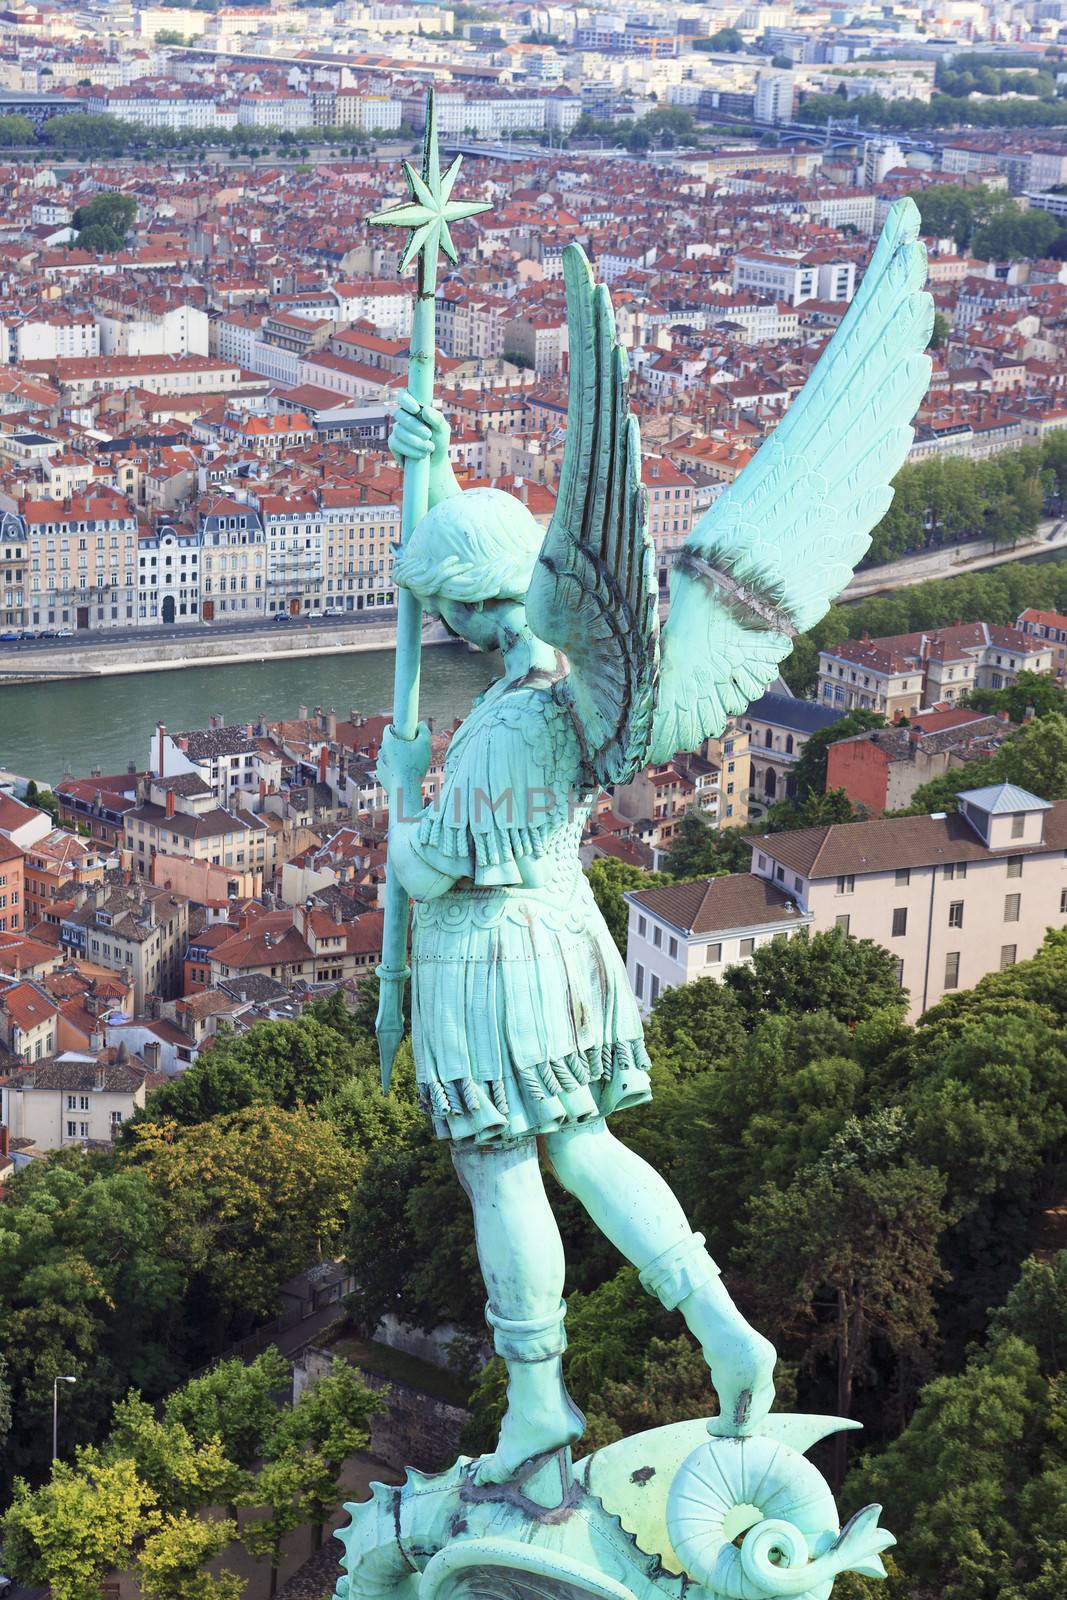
470,561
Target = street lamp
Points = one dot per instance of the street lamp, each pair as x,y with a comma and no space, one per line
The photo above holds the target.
63,1378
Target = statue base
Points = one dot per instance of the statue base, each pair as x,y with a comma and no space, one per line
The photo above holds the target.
670,1513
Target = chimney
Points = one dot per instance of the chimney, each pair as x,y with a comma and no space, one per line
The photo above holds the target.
336,909
160,730
301,713
131,769
170,803
5,1140
324,756
331,724
95,772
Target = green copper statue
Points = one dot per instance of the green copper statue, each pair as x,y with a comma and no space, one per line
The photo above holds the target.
527,1038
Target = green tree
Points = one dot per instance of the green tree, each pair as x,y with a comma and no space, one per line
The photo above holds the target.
183,1474
700,850
726,39
234,1402
942,330
77,1528
846,1256
1035,693
108,210
100,239
850,979
172,1559
16,131
329,1422
251,1198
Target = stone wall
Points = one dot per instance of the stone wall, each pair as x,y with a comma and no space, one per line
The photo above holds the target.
414,1429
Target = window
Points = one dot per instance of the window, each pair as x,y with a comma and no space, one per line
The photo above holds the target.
83,1130
1007,956
1063,902
955,914
746,948
672,948
900,922
843,922
639,980
72,1130
657,936
1015,866
903,877
952,970
642,926
957,870
653,989
1011,907
846,883
1018,825
713,952
72,1102
900,971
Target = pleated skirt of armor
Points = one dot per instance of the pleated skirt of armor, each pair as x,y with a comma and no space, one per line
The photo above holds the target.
523,1020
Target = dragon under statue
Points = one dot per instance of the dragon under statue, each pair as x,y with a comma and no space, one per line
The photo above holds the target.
527,1037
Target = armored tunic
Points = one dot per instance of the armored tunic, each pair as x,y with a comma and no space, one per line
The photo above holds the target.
522,1016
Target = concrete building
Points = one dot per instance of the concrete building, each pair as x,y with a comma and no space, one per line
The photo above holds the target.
12,887
775,96
902,674
794,277
1050,626
951,896
180,816
685,931
73,1099
882,769
232,763
779,726
131,928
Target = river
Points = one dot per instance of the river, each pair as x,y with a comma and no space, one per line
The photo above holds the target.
52,728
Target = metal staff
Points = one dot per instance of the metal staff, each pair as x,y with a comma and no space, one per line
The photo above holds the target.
426,214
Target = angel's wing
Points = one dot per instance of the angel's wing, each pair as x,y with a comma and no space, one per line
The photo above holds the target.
593,593
774,550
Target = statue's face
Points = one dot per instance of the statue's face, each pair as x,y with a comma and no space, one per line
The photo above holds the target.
476,624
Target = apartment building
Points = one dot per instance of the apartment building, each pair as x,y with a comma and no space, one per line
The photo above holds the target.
233,560
82,559
235,764
133,928
309,943
779,726
53,868
882,769
670,510
14,571
12,887
74,1099
180,816
904,673
168,573
28,1020
1050,626
794,277
951,896
685,931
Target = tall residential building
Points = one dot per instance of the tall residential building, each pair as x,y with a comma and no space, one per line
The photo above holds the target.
900,674
775,94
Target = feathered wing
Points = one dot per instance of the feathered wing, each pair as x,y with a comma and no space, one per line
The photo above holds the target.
780,544
594,593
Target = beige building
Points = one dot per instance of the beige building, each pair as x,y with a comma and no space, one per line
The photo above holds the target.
133,928
82,570
686,931
902,674
951,896
180,816
72,1100
28,1021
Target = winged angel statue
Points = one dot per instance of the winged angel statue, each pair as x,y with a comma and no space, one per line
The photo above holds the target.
525,1031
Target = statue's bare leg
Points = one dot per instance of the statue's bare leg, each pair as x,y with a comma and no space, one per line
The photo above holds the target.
635,1208
521,1256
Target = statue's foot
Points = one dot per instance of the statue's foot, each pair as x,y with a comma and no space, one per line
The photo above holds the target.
540,1417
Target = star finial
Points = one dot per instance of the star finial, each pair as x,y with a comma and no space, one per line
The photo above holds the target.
431,207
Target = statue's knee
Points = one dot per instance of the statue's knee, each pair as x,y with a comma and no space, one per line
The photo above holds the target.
572,1154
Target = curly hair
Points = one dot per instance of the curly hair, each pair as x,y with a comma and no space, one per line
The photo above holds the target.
476,546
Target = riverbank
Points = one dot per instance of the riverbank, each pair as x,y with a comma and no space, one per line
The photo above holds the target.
274,642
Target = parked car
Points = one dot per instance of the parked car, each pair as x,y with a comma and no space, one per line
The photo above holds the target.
7,637
281,616
334,611
47,633
7,1585
64,633
314,614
